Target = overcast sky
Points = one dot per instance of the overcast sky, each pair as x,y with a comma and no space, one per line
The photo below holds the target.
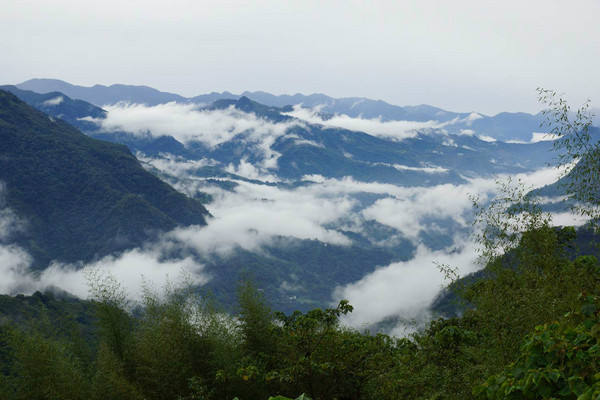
486,56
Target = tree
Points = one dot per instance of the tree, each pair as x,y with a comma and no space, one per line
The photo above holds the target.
115,324
578,149
561,358
169,347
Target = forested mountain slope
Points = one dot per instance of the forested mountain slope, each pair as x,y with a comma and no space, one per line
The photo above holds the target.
79,197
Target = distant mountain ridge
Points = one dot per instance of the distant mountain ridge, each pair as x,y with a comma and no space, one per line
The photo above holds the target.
503,126
100,94
334,153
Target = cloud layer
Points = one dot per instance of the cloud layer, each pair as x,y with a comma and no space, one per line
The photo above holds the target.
389,129
188,122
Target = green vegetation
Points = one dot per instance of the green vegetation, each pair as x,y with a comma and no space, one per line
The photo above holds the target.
177,345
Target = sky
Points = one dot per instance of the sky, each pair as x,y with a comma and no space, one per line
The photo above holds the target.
462,55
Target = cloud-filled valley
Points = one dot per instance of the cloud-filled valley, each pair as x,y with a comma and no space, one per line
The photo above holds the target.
253,215
400,188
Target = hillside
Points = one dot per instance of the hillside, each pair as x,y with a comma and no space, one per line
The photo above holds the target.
80,197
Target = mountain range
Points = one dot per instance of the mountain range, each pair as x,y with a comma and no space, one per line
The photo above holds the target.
429,158
98,199
503,126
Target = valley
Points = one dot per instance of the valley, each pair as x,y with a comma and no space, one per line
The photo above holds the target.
313,204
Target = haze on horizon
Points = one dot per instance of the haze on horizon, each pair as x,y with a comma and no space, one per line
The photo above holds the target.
463,55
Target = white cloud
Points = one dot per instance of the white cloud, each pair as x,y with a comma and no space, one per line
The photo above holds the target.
429,170
300,141
407,289
248,170
14,270
408,207
568,219
187,122
253,214
53,102
130,269
172,165
487,138
404,289
16,275
10,222
472,117
389,129
542,137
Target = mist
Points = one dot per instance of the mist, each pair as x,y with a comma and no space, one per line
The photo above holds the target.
189,122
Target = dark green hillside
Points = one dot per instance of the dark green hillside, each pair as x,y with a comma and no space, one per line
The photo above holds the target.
80,196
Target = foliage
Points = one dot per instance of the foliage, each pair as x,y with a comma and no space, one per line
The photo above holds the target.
499,223
578,152
559,360
112,304
46,368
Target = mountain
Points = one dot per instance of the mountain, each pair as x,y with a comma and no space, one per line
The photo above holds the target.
76,112
100,94
432,157
503,126
80,197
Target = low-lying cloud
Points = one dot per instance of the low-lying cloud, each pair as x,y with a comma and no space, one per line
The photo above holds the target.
53,102
130,269
390,129
188,122
14,270
405,289
543,137
253,214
